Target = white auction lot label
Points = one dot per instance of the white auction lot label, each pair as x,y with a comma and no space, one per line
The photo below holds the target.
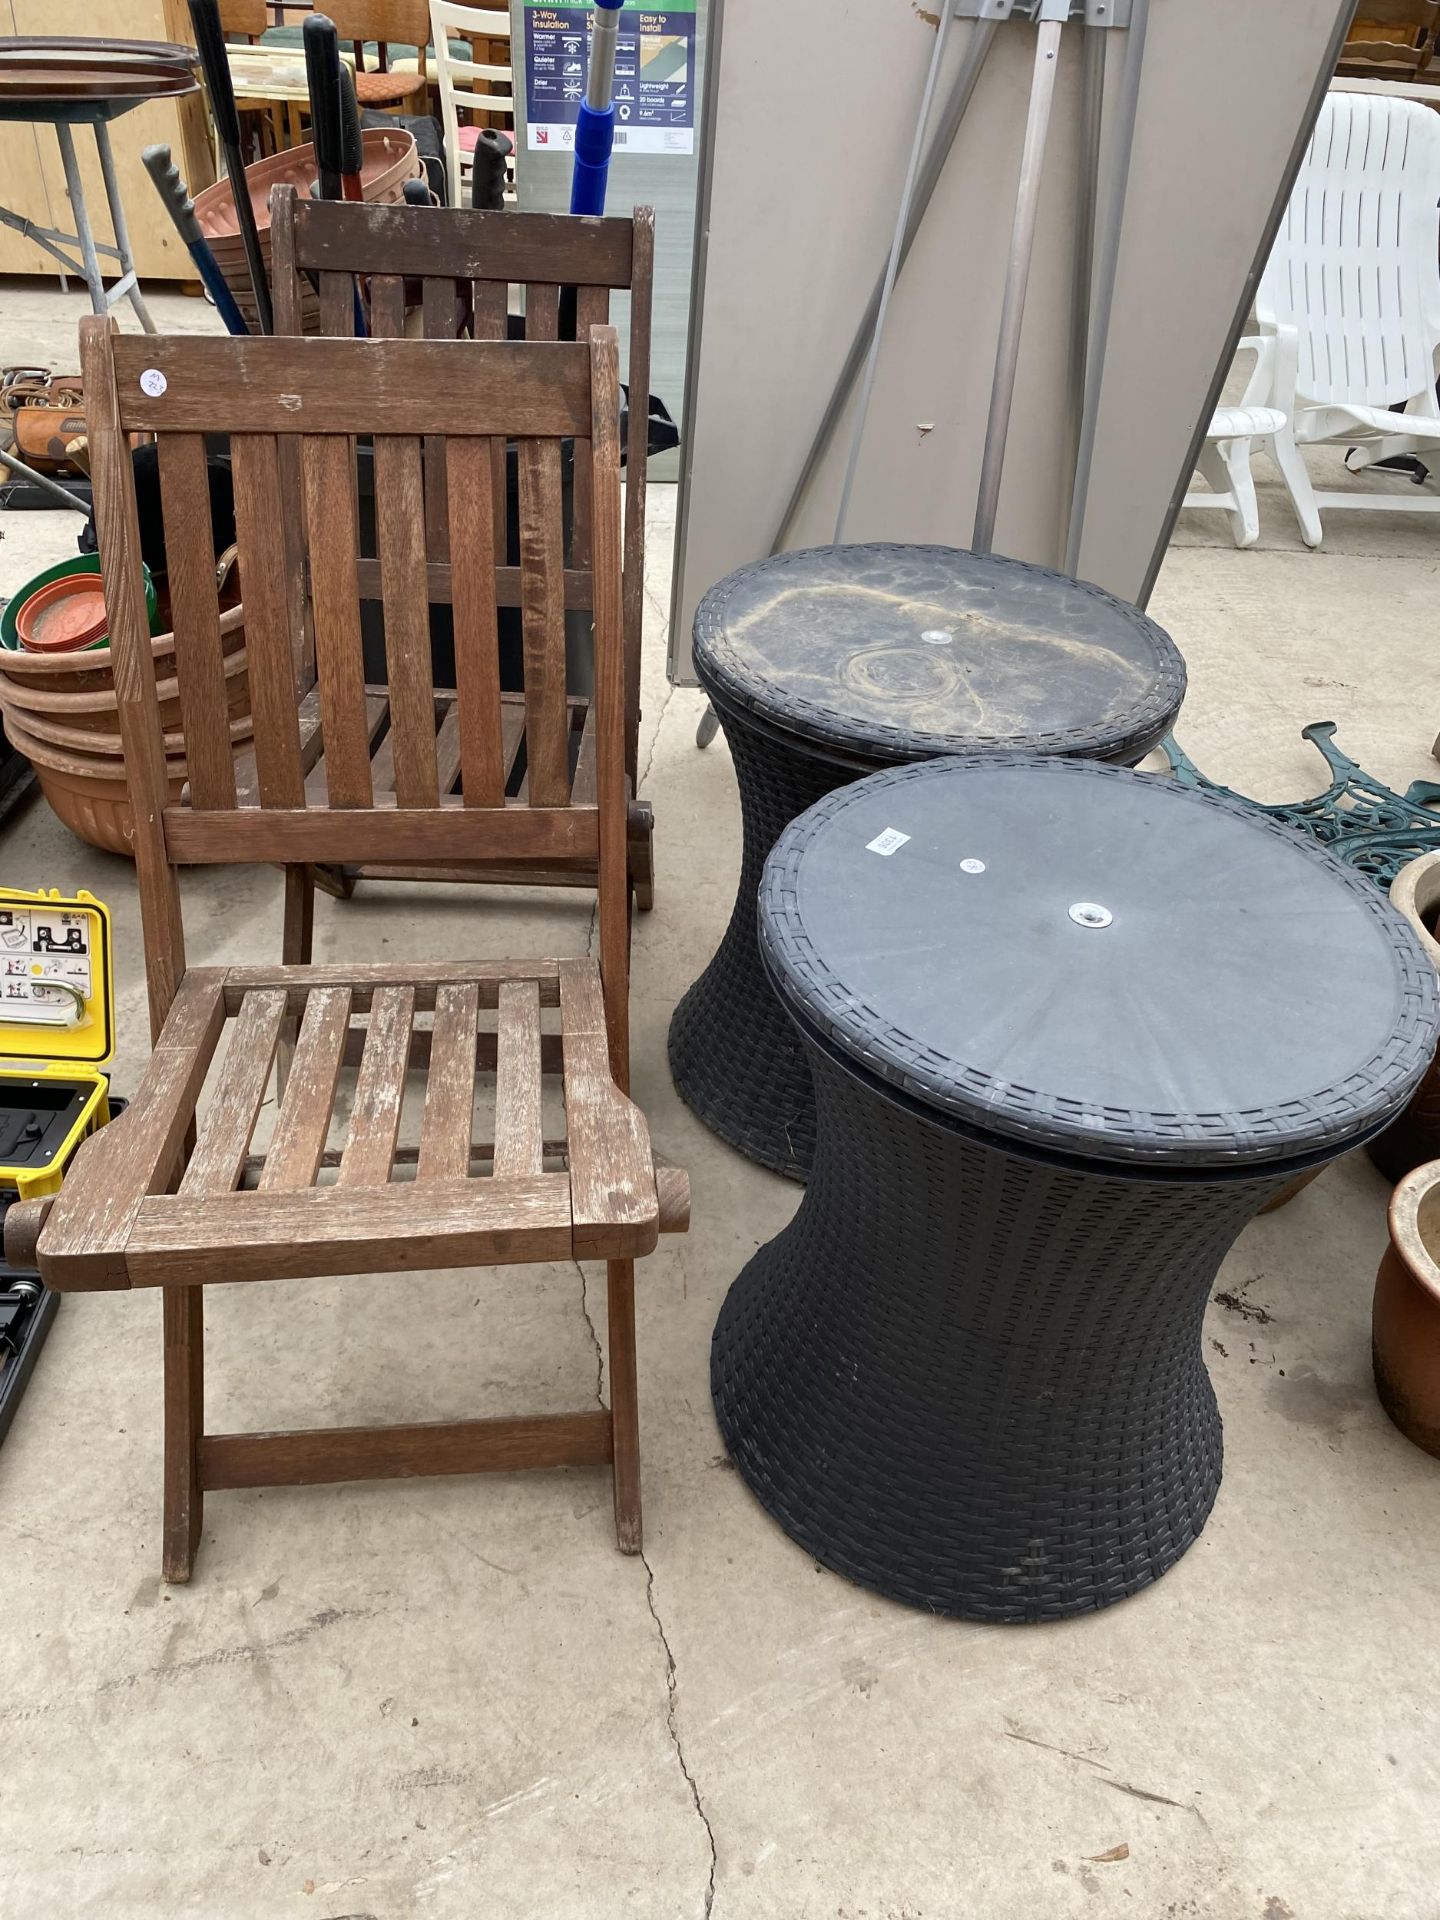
888,842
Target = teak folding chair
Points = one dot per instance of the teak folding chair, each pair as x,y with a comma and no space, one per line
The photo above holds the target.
172,1194
458,266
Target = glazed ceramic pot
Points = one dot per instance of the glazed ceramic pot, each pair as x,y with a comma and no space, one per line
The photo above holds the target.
1415,1137
1407,1310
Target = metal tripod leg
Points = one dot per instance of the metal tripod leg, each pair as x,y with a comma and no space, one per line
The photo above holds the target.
887,286
1017,275
127,286
122,232
75,187
1103,299
1087,191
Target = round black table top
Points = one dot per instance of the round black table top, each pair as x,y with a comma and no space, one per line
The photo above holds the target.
1098,962
899,652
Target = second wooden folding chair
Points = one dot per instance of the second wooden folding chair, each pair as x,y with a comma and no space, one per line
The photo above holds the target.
451,271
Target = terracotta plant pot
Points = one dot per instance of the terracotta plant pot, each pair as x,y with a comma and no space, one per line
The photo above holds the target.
1414,1139
93,710
90,796
1407,1311
64,616
101,746
95,715
61,713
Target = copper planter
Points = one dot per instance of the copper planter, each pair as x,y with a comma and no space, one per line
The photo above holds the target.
1407,1311
1415,1137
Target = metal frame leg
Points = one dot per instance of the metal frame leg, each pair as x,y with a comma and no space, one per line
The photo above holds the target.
1087,192
892,268
75,187
1104,289
1017,281
117,221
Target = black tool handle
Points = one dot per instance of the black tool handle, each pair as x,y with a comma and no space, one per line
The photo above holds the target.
487,175
181,209
352,142
210,39
322,76
171,188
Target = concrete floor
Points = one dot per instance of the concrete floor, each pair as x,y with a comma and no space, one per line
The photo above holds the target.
456,1700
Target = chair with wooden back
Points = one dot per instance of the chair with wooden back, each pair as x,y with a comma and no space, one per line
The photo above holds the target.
244,19
459,266
174,1194
404,23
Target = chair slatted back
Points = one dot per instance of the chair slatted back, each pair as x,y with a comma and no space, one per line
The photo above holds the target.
465,263
302,403
1354,268
246,18
403,23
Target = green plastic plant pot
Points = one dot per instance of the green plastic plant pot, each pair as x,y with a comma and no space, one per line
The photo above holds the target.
82,563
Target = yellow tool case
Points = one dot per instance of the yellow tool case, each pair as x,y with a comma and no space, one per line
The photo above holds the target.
57,1035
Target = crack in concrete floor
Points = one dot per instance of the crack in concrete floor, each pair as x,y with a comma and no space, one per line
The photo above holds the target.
672,1684
673,1728
670,692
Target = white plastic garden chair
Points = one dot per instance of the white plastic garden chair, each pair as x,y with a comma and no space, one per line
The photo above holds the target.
1224,459
1356,273
457,80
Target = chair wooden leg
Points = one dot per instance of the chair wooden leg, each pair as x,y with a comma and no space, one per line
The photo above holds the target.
184,1312
624,1404
299,934
296,950
336,881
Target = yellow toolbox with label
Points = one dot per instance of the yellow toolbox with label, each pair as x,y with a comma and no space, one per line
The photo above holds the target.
57,1034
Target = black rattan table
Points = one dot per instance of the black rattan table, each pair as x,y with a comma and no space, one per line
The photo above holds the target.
828,664
1071,1027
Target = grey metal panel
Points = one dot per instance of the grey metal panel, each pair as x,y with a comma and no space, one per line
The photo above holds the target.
798,221
666,182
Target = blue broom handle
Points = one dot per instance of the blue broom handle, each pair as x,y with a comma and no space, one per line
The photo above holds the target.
595,128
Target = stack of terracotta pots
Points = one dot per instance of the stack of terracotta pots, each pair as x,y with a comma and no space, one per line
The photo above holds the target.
60,711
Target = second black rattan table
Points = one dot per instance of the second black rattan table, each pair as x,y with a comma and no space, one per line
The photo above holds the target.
827,664
1071,1027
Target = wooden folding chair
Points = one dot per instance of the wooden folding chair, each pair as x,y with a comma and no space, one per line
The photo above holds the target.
172,1195
459,266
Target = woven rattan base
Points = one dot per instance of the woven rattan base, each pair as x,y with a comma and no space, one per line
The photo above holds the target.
734,1056
972,1380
